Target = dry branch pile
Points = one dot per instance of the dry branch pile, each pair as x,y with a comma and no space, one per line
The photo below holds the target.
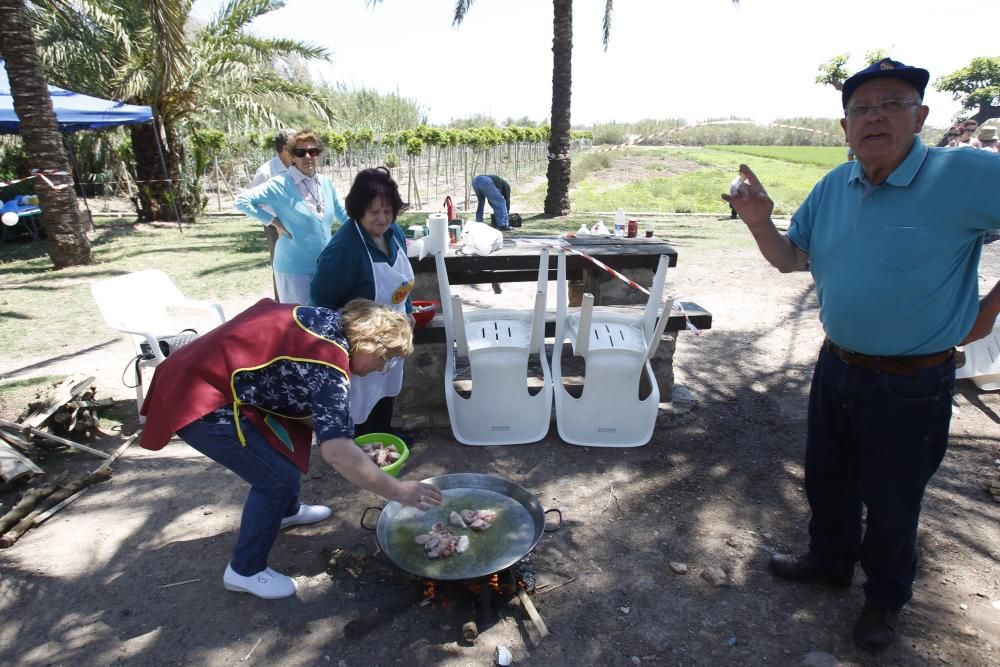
68,410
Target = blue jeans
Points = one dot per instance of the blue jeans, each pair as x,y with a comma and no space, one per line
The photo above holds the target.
874,439
274,486
486,189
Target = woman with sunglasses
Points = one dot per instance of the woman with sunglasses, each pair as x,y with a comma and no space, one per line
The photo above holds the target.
305,204
255,390
366,259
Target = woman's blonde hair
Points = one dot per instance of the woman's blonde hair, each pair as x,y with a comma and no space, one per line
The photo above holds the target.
376,329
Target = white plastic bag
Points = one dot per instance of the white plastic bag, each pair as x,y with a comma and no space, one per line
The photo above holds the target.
583,231
599,229
480,239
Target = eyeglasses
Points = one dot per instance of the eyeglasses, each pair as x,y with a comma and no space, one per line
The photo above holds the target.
886,107
311,152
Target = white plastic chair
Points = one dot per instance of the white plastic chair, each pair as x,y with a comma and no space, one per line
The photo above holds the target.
497,343
982,362
617,348
137,304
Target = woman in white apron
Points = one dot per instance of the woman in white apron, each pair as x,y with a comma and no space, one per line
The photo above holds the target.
367,258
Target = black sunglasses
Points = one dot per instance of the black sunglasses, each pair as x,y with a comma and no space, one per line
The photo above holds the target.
311,152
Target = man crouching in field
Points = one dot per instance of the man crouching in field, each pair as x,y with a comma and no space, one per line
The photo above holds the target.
893,242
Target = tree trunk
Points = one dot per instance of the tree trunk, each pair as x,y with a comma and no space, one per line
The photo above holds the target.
157,191
557,197
68,245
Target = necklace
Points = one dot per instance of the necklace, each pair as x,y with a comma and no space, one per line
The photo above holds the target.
317,200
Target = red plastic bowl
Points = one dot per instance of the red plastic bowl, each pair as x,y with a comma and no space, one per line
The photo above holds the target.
426,316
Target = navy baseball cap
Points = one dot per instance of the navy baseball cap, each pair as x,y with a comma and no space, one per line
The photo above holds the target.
887,67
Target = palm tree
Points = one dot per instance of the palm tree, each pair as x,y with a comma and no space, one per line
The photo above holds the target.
68,244
149,52
558,173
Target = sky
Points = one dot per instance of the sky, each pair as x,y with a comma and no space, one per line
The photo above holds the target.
691,59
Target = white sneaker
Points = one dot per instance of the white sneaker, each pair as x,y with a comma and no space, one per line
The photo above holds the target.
266,584
307,514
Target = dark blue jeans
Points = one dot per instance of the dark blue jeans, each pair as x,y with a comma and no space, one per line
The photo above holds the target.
274,486
875,440
487,190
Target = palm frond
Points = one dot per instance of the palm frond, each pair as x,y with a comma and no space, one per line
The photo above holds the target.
608,6
167,19
238,14
461,9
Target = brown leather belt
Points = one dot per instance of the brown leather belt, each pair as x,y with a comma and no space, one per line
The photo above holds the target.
907,366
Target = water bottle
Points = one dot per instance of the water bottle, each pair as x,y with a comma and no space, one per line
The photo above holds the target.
620,222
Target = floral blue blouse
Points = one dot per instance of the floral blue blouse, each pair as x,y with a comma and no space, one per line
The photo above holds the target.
300,388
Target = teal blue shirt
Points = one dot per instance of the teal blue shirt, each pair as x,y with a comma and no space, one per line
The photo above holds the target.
310,232
343,271
896,264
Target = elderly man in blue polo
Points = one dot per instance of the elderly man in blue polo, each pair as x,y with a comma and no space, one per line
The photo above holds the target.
893,241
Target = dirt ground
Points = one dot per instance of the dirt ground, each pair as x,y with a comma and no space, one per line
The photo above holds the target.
131,572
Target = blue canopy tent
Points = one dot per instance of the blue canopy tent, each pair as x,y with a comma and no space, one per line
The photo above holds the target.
75,111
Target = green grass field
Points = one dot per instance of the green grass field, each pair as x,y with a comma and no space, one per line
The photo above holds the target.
822,156
687,180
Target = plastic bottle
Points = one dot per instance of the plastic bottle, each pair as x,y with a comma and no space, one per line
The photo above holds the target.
620,222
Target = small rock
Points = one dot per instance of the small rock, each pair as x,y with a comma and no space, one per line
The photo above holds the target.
502,656
342,663
963,606
679,568
625,610
968,631
819,659
715,575
636,660
731,641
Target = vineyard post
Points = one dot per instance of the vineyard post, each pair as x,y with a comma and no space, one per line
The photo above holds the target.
465,166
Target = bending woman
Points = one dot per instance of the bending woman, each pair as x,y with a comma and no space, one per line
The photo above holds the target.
303,205
254,391
366,258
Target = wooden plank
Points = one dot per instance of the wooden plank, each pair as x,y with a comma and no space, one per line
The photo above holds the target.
52,510
16,439
701,318
114,455
64,393
14,464
533,614
68,443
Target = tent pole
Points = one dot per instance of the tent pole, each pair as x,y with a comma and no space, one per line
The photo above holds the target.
166,175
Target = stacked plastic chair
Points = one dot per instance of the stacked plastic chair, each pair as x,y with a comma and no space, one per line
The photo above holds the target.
617,348
498,343
137,304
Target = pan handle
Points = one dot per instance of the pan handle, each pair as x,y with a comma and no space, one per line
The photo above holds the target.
364,514
559,525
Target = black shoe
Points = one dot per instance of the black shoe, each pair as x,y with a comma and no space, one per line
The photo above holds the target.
805,568
876,627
